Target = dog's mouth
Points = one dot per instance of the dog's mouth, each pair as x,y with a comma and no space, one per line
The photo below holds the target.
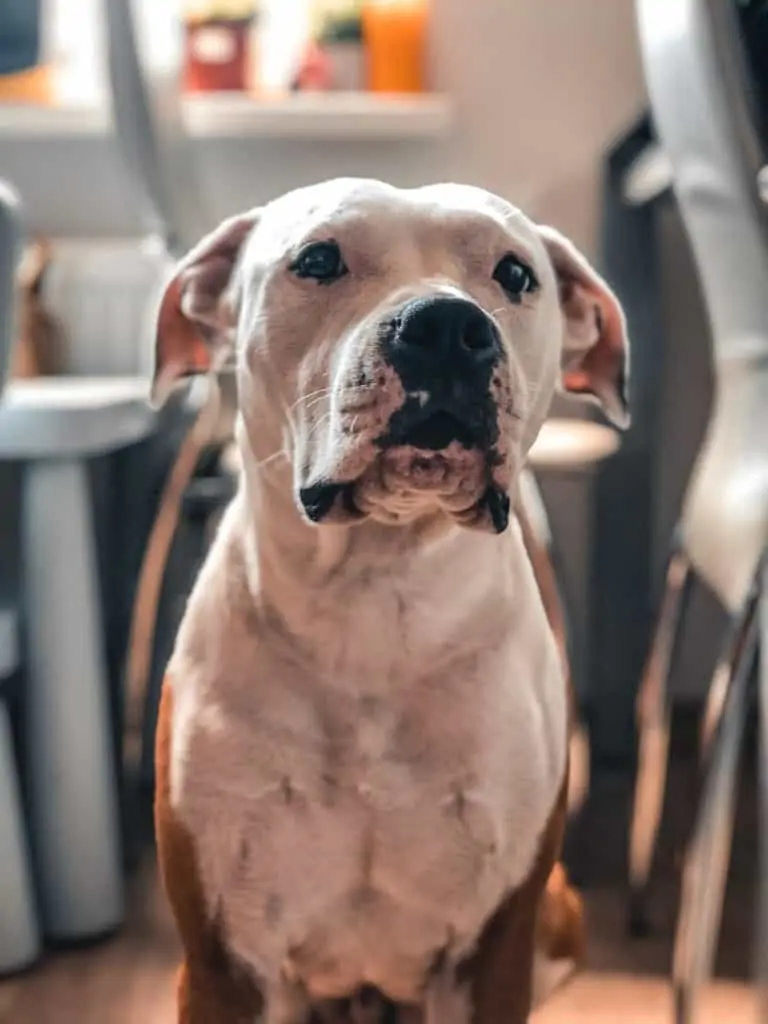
442,425
435,432
437,461
430,457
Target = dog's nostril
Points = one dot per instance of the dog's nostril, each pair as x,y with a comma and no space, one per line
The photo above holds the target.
447,328
479,335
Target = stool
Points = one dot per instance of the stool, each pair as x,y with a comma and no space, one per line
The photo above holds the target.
52,426
563,445
19,936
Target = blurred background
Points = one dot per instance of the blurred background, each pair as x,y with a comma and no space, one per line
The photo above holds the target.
636,127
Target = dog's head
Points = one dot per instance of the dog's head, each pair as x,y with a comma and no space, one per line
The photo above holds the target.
401,348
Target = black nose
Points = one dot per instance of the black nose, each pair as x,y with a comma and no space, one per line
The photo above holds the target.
451,333
445,352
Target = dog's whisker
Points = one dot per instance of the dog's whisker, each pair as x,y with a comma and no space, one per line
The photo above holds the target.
311,396
317,426
343,395
281,453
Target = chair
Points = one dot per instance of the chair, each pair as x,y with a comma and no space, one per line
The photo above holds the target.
698,83
569,446
19,934
144,49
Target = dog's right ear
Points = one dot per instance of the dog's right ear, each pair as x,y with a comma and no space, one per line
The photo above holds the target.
195,314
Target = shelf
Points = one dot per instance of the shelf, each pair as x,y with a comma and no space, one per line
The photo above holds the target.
341,115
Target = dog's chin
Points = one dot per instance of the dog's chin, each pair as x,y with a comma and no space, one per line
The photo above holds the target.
405,483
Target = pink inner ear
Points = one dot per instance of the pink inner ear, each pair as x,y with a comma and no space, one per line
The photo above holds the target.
193,313
180,349
596,361
202,287
595,343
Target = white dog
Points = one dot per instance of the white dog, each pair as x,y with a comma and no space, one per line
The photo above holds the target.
362,748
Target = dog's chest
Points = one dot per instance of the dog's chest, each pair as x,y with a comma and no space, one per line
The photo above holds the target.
358,837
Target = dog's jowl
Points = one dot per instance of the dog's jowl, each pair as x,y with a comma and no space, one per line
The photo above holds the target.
362,751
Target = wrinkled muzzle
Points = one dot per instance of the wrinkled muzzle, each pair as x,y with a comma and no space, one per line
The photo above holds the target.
422,418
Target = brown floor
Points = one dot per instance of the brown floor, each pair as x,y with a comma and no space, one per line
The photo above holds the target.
129,980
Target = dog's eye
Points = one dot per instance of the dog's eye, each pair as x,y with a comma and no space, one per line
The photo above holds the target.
515,277
320,261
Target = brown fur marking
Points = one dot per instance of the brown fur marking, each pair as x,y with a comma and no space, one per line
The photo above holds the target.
212,989
501,970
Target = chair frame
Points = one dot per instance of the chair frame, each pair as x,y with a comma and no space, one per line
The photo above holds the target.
697,81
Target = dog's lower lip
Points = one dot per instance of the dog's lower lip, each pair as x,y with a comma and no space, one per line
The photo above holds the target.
436,432
318,499
498,504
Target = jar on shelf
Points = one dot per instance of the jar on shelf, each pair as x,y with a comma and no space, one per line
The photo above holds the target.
219,50
395,35
341,39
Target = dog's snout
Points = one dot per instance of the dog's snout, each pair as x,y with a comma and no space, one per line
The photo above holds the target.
453,332
445,351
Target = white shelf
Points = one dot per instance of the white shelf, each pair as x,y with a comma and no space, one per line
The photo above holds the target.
342,115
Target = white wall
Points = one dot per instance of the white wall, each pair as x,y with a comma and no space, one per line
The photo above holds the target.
540,87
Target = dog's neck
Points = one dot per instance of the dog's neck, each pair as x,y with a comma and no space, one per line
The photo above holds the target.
285,550
323,583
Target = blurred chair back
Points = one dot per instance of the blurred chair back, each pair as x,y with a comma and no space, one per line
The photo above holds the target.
703,95
144,49
10,241
700,92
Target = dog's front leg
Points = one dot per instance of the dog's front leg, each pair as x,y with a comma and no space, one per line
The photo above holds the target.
213,988
287,1002
499,974
216,994
494,987
212,994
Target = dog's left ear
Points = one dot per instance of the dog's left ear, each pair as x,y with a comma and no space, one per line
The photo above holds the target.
595,345
196,314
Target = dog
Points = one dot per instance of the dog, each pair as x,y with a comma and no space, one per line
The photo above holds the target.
362,747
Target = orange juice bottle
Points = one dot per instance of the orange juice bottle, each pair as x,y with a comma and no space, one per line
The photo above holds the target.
395,34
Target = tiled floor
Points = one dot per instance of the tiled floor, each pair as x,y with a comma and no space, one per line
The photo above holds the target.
129,980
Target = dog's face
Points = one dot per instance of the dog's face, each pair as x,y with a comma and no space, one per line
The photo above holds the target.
401,348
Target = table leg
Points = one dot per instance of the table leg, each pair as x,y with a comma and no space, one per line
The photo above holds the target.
73,792
19,939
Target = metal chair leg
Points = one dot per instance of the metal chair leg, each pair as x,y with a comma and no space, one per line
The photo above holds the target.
534,525
653,740
708,857
718,687
762,926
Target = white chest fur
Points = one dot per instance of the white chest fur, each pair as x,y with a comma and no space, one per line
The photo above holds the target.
358,826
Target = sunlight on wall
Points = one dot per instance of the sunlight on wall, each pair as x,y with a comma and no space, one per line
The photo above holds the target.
285,28
72,43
